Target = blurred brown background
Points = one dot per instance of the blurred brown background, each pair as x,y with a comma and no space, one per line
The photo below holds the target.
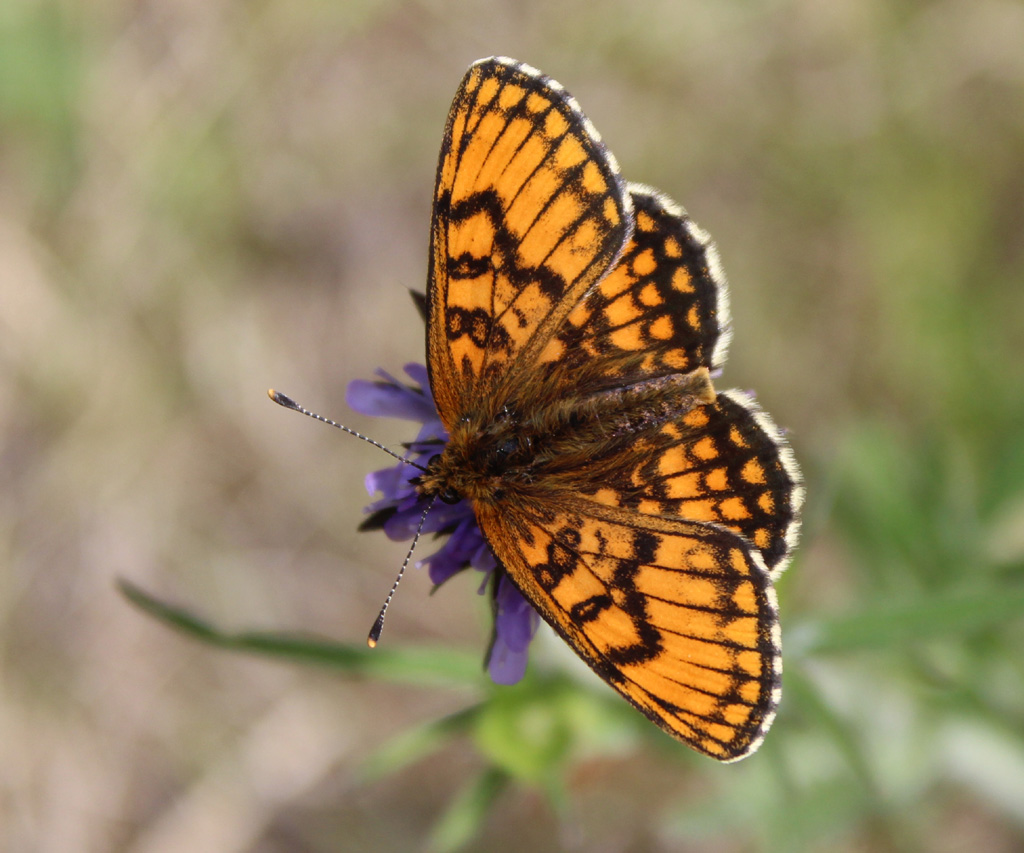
199,200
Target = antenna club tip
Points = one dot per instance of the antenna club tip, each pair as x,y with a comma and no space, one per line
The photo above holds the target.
378,626
281,399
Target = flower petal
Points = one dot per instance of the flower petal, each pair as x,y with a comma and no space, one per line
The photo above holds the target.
506,666
516,621
390,399
388,481
514,626
454,554
418,373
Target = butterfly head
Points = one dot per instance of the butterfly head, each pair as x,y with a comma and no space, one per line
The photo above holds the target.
482,462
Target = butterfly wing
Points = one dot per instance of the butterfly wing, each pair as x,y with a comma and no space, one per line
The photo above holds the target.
725,463
679,618
529,212
662,309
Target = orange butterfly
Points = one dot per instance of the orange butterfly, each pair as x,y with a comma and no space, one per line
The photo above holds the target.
573,322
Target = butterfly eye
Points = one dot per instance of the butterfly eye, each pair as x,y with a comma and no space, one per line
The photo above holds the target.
450,496
507,448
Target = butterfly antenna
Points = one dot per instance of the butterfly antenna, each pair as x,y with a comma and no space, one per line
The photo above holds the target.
378,626
289,403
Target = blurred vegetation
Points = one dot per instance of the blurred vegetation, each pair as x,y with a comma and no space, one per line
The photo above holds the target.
200,200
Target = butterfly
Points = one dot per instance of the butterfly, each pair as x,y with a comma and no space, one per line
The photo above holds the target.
574,322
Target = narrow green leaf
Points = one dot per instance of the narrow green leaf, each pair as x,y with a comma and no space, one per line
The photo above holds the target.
409,666
802,691
415,743
466,815
899,623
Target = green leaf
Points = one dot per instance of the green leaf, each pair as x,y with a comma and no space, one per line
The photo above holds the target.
901,623
527,730
416,743
408,666
818,711
465,816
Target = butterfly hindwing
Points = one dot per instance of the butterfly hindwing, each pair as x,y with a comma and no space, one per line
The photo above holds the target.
724,463
680,618
662,309
529,212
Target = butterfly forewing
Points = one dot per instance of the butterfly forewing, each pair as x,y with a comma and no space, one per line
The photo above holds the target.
529,212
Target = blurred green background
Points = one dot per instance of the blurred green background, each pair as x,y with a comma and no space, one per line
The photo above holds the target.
199,200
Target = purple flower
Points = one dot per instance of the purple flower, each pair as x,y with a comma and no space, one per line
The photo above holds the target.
398,514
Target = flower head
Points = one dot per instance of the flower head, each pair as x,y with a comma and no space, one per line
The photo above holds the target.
399,510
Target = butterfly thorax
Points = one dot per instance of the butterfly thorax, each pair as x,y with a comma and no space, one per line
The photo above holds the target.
535,448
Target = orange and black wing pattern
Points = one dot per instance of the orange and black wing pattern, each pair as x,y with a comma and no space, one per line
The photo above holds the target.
573,326
725,463
529,213
662,309
679,618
